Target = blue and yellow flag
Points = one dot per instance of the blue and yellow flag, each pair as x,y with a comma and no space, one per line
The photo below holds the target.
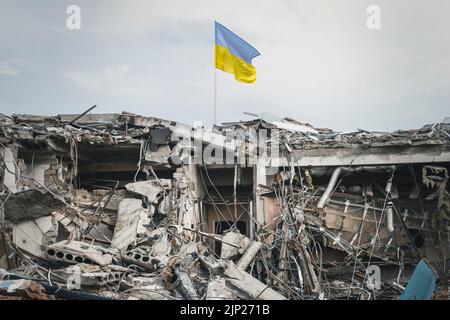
234,55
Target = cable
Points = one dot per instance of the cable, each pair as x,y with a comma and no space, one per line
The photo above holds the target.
218,193
141,154
212,201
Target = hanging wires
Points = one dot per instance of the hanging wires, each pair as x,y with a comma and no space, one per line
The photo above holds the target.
142,150
213,202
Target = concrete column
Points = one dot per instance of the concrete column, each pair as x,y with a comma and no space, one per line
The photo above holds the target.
260,177
9,179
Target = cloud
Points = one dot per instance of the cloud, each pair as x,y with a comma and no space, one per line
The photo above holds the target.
13,67
8,70
114,72
97,80
85,80
111,81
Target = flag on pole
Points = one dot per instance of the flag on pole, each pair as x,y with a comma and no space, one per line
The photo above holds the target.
234,55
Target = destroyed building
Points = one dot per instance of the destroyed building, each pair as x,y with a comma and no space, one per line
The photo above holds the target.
121,206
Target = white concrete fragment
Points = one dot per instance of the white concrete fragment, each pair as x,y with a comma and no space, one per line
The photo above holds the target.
217,290
29,235
125,231
234,237
249,255
149,188
159,156
161,246
248,287
69,252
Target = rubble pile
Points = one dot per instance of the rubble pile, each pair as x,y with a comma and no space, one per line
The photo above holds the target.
94,207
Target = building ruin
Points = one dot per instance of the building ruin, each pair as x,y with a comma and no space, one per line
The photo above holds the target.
121,206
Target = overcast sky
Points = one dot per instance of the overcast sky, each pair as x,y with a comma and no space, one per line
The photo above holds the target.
319,62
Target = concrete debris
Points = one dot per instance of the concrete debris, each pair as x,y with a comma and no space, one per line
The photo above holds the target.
75,252
151,189
160,242
234,237
30,204
144,288
33,235
249,255
128,222
247,287
22,290
83,274
160,156
121,206
218,290
142,257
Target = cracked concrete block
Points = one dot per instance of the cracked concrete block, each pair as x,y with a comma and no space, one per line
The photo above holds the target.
78,252
236,238
248,287
149,188
159,156
125,231
217,290
30,204
161,245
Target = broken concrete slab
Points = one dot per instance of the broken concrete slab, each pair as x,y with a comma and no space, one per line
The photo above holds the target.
248,287
77,252
236,238
160,156
82,274
249,255
31,235
165,206
213,265
85,198
125,231
30,204
144,259
149,287
151,189
160,243
217,290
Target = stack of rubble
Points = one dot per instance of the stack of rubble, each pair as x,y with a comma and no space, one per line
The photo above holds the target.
147,257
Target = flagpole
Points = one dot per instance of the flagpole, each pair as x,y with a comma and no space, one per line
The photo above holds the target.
215,76
215,95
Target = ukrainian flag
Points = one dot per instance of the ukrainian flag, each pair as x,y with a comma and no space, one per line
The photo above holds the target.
234,55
